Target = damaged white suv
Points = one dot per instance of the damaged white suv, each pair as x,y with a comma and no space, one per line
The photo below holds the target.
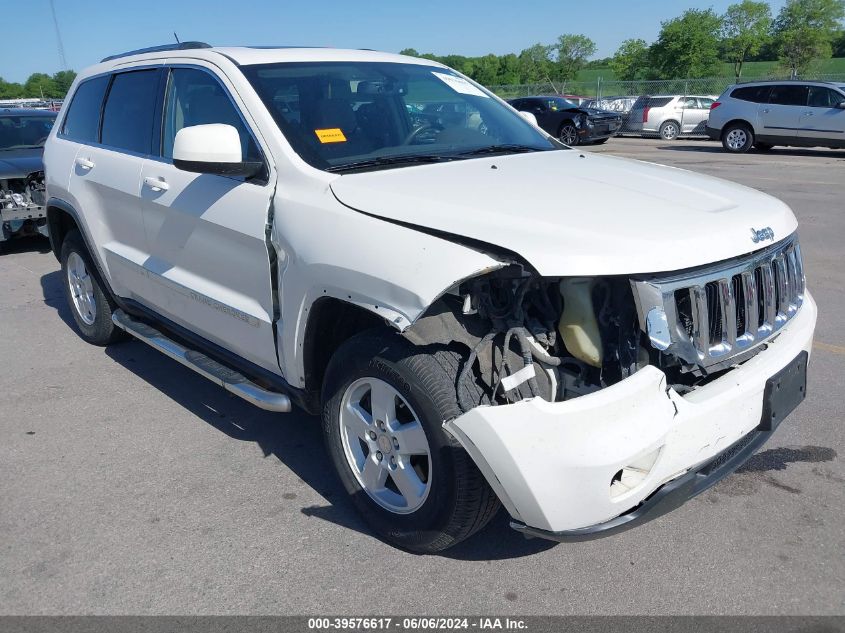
374,236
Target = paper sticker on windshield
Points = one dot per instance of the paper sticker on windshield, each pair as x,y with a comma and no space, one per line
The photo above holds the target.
331,135
459,84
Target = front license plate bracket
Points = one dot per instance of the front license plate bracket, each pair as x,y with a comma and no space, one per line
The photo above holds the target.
784,392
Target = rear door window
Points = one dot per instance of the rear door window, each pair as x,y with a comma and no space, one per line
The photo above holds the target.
754,94
788,94
82,121
130,111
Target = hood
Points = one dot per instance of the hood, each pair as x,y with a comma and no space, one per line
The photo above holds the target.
19,163
570,213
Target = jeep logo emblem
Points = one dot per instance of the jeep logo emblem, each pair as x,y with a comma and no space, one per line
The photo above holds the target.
762,235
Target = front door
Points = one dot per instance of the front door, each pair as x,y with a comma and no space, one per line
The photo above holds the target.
824,119
209,265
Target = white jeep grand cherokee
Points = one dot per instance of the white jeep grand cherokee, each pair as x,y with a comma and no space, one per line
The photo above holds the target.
379,238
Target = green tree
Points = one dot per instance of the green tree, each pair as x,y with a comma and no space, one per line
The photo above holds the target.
10,90
535,63
631,60
688,46
805,30
508,69
40,85
63,79
572,51
412,52
839,45
745,30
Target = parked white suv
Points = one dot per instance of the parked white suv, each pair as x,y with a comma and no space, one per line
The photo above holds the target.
670,116
769,113
292,225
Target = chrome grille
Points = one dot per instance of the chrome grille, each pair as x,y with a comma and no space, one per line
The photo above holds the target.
709,315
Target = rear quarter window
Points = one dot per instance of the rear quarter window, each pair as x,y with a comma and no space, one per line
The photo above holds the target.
753,94
82,121
659,102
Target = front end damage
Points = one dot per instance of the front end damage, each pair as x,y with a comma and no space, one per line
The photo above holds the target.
589,414
23,206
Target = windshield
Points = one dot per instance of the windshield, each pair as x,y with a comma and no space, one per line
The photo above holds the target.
24,132
559,103
342,116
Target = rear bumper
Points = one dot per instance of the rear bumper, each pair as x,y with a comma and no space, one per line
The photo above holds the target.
712,133
556,466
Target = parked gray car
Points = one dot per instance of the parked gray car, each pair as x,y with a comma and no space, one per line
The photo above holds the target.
670,116
792,113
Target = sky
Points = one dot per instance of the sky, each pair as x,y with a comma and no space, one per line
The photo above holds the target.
93,29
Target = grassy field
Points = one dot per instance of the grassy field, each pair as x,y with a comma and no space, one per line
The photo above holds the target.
749,70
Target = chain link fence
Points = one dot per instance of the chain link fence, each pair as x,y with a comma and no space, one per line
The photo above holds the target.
620,96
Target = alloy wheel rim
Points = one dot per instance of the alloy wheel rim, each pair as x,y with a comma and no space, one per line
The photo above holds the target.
569,135
385,445
670,132
81,289
737,139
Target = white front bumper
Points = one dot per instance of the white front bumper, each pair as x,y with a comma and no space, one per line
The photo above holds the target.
552,463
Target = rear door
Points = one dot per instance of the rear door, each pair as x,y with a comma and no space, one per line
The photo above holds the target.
106,179
781,116
209,263
823,119
692,114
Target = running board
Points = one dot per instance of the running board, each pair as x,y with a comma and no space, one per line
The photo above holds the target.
229,379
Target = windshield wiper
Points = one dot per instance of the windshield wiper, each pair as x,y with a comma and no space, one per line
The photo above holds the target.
506,148
386,161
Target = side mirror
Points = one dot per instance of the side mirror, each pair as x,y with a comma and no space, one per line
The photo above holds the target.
841,105
212,149
529,117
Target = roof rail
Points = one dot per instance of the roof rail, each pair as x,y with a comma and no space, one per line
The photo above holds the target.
181,46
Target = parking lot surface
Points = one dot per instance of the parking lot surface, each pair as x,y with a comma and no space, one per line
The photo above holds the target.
128,484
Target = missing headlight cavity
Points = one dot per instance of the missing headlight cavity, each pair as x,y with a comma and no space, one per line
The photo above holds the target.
521,336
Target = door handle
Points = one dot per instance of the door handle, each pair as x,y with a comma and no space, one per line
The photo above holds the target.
84,163
809,113
156,184
766,111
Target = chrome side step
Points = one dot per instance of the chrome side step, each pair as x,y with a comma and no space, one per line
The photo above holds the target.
229,379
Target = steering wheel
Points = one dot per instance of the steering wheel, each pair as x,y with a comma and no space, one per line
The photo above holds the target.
415,133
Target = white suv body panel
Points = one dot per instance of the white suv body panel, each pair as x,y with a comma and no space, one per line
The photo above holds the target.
198,254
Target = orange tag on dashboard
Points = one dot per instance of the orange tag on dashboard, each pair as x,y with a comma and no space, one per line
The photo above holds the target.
331,135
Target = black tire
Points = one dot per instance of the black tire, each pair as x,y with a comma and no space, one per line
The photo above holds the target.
737,138
459,501
763,147
102,331
669,130
568,134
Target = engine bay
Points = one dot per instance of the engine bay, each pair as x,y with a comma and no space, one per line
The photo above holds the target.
22,206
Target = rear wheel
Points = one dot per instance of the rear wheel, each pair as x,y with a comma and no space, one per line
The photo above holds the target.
737,138
385,403
91,308
568,134
669,131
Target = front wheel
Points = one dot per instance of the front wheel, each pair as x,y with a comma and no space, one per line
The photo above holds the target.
568,134
737,138
385,403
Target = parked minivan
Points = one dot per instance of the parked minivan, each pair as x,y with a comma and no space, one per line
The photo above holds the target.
279,221
768,113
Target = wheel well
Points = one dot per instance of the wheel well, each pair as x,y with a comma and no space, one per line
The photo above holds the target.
742,122
59,223
331,322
